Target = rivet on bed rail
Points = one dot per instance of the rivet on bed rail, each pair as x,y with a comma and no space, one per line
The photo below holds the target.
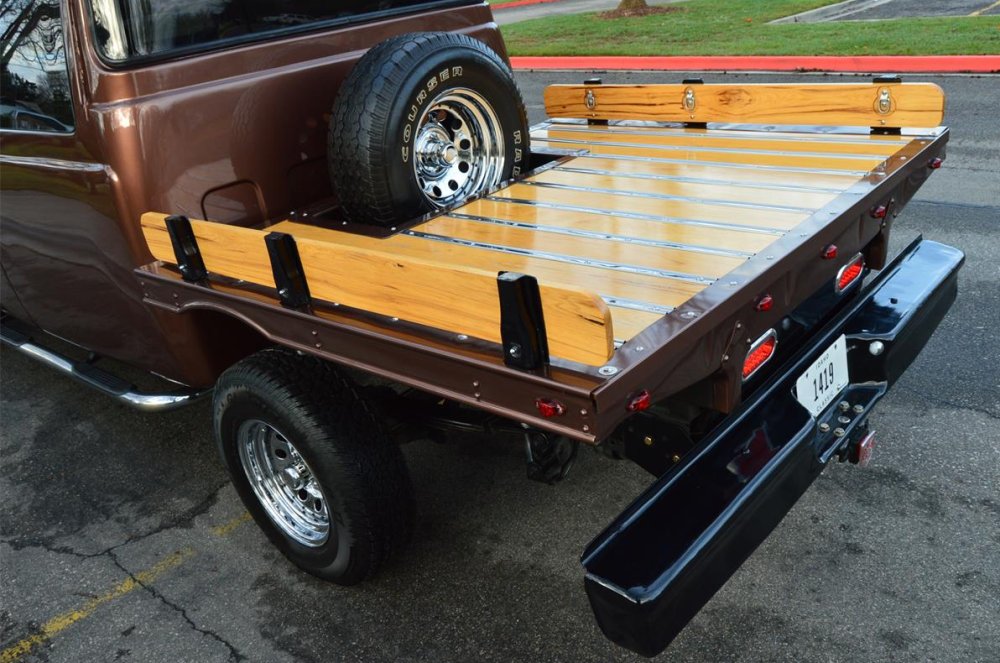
189,260
289,277
522,324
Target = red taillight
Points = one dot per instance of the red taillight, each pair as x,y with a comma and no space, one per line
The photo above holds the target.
850,273
640,402
764,303
880,212
935,163
760,352
829,252
550,408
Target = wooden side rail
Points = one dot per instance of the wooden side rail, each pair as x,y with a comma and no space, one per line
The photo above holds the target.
888,105
460,300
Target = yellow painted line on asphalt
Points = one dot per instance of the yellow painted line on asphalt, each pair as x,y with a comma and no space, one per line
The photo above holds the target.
979,12
227,528
61,622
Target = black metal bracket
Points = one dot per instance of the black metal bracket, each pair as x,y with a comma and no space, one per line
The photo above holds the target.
694,125
522,324
289,277
189,260
887,78
595,81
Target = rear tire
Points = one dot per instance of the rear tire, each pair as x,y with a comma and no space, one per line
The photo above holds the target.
423,122
313,465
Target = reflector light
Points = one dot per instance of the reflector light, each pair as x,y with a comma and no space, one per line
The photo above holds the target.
830,252
935,163
640,402
760,352
880,212
850,273
550,408
861,454
764,303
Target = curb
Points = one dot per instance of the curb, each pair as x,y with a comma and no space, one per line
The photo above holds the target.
913,64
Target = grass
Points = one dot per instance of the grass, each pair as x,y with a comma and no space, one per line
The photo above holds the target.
739,27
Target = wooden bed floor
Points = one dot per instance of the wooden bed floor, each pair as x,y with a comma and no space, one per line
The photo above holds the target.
647,217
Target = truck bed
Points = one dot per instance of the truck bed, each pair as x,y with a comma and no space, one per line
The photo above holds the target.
639,232
646,216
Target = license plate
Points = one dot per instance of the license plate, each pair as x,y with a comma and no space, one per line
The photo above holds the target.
827,377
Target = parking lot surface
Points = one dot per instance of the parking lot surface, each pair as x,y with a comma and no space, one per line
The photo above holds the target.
872,10
122,540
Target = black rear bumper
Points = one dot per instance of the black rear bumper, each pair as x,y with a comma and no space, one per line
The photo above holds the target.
663,558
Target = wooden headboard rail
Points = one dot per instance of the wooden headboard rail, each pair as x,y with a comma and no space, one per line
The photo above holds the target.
881,104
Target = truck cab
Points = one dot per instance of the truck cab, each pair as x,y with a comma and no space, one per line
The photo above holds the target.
113,108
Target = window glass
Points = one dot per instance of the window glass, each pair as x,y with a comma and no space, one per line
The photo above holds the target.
128,29
34,88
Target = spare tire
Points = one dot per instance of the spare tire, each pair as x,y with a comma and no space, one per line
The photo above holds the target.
423,122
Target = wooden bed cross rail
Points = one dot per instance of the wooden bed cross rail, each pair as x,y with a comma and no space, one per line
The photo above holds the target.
459,300
880,104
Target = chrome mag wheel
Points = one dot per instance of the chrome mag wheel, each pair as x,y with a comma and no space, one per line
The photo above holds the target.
284,483
459,149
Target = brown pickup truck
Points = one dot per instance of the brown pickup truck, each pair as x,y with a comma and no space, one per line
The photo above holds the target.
336,220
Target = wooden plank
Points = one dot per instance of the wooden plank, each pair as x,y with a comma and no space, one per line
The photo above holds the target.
718,238
638,149
456,299
612,203
680,138
688,262
629,323
693,190
639,287
826,104
730,175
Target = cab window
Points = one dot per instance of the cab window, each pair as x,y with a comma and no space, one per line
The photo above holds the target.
138,29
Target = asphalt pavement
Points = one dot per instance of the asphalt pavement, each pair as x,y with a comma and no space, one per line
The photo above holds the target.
122,540
873,10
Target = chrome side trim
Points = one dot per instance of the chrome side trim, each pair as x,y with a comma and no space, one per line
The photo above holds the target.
591,234
637,215
722,150
719,164
667,196
730,134
636,305
572,260
699,180
111,385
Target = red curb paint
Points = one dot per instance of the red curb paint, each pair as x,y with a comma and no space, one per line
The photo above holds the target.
519,3
978,64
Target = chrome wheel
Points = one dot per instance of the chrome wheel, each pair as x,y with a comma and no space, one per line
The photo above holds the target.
459,149
283,483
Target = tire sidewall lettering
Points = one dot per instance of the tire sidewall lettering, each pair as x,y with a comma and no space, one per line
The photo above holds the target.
420,98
